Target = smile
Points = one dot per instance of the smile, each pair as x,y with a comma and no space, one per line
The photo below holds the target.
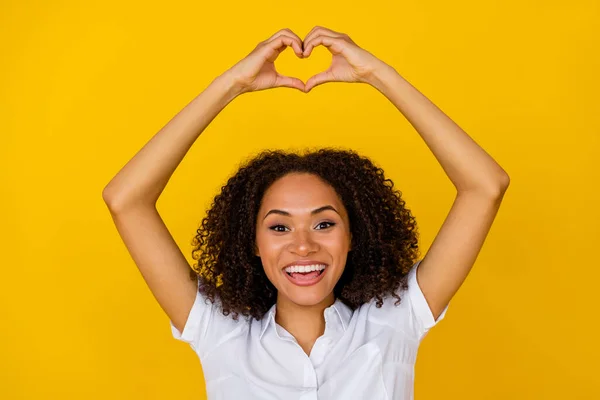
306,278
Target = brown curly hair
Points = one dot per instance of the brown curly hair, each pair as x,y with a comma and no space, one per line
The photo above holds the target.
384,232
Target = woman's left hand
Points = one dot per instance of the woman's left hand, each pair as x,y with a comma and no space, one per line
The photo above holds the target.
350,63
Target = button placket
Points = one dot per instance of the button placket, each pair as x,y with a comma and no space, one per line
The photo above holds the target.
323,343
310,375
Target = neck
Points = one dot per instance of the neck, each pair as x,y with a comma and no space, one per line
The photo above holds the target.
305,323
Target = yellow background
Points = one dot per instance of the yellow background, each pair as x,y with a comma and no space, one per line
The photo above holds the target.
84,86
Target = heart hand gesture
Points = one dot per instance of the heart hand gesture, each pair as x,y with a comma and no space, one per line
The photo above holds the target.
350,63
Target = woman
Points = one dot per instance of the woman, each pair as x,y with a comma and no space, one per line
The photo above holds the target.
316,251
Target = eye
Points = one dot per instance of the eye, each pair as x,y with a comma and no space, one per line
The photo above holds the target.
326,222
273,228
276,227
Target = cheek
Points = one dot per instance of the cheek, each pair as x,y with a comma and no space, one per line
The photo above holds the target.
269,246
337,242
270,250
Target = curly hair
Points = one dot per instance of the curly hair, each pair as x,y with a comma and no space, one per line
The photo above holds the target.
384,232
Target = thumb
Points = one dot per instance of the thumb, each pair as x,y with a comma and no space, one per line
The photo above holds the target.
287,81
317,80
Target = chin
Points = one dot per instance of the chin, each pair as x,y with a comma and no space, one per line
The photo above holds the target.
306,297
308,300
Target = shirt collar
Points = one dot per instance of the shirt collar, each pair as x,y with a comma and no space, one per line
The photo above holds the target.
338,310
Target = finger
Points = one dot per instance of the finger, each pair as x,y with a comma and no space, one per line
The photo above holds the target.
277,45
317,80
285,31
287,81
335,45
288,32
283,41
291,33
319,30
310,35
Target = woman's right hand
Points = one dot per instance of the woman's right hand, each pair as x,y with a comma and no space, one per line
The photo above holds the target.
257,70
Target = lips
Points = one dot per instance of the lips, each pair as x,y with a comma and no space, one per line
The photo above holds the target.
305,262
305,282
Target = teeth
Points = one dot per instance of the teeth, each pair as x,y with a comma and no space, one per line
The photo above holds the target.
305,268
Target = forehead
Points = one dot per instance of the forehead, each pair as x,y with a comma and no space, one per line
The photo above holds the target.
300,191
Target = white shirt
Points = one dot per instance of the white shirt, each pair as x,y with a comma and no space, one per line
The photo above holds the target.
366,354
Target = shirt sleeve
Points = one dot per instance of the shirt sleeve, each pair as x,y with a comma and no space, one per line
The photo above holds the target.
191,330
204,325
421,315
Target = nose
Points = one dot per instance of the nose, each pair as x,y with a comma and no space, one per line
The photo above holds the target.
303,243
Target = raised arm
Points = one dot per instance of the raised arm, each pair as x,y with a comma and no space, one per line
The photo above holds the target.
479,180
132,194
480,183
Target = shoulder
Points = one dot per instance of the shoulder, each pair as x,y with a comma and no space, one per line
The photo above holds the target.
410,314
207,326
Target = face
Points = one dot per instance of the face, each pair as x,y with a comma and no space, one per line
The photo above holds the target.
302,218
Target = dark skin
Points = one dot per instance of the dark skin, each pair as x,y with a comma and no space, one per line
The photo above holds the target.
280,240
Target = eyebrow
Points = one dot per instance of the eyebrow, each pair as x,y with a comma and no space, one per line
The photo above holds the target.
313,212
